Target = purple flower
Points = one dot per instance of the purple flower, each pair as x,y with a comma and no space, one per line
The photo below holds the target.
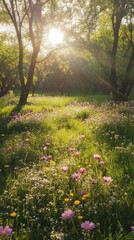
97,156
5,231
82,170
67,214
64,169
8,149
88,225
75,176
132,228
107,179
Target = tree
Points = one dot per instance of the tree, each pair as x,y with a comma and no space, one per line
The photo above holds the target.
86,24
28,19
8,65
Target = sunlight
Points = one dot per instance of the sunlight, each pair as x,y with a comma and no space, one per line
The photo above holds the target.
55,36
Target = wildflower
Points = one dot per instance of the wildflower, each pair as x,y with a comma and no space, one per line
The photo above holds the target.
45,148
48,144
75,176
71,149
101,163
43,158
77,202
52,162
67,214
5,231
80,217
6,166
66,199
82,192
107,179
71,195
49,157
46,169
82,136
88,225
86,195
64,169
82,170
93,181
13,214
8,149
96,156
132,228
76,154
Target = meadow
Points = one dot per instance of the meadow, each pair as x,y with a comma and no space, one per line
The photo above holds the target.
66,169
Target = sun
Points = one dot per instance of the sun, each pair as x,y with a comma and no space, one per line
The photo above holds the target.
55,36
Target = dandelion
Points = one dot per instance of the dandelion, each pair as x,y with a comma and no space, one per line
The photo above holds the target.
77,202
13,214
82,170
80,217
75,176
107,179
66,199
88,225
97,156
5,231
64,169
67,214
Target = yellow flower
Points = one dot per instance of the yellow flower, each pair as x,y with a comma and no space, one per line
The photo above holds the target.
80,217
13,214
86,195
52,162
46,169
83,198
7,166
66,199
77,202
86,163
71,195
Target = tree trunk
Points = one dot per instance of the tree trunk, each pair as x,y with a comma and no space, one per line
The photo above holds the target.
25,89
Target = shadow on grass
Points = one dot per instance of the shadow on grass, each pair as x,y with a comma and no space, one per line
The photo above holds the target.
24,155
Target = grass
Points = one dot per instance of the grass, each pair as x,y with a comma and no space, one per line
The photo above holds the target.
93,138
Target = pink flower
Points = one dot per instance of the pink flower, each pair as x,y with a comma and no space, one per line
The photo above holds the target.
97,156
49,157
76,154
5,231
107,179
132,228
75,176
82,136
88,225
82,170
43,158
93,181
48,144
8,149
45,148
71,149
67,214
64,169
101,163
